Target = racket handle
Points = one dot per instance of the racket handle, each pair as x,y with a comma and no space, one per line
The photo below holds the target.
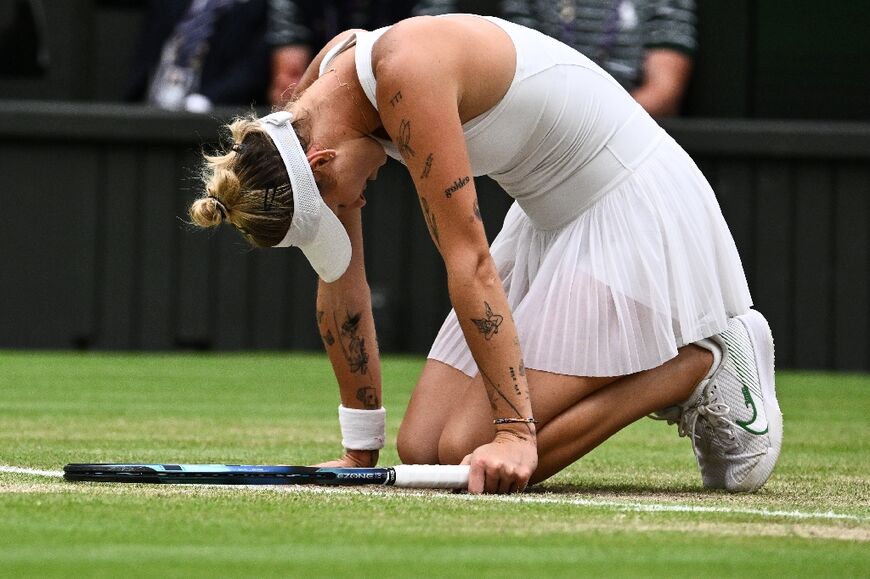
431,476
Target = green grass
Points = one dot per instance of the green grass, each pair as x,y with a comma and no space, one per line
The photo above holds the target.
281,408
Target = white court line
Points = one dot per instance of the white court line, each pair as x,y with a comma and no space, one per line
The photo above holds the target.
599,503
33,471
525,499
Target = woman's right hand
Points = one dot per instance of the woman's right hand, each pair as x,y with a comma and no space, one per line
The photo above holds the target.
505,465
353,459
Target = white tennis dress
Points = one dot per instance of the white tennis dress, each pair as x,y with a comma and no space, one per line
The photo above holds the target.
615,252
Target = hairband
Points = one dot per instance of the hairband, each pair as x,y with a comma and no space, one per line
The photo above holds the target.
314,228
220,206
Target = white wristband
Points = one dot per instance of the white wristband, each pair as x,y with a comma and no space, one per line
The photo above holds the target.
362,429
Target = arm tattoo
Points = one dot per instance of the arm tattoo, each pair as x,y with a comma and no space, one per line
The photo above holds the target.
355,350
369,397
457,185
489,325
514,379
404,140
428,167
477,212
430,220
494,393
328,338
397,98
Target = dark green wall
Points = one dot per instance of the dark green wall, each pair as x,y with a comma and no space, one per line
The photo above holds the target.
798,59
95,252
812,60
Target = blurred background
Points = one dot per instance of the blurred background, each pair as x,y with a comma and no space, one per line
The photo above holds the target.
106,105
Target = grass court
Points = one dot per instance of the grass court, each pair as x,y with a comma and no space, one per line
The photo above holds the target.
633,507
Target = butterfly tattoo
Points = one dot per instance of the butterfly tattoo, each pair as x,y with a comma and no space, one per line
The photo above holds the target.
489,326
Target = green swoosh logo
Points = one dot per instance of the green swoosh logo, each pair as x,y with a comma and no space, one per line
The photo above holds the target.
750,426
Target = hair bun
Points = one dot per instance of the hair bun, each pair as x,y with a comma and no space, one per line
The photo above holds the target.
207,212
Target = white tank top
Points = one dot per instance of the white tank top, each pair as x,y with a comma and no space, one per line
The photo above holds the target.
563,135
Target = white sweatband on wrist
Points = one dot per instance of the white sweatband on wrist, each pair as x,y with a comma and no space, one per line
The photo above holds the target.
362,429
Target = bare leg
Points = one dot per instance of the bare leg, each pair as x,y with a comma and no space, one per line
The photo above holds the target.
438,390
596,418
443,392
575,414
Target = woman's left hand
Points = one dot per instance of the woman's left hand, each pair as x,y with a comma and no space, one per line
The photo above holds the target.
505,465
353,459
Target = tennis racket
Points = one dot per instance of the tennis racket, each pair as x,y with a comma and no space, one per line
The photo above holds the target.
407,475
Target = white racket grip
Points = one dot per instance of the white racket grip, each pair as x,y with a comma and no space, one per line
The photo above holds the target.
431,476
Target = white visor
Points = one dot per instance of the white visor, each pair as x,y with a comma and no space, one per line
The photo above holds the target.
314,228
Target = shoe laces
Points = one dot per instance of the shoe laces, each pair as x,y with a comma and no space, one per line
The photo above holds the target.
688,424
713,417
716,416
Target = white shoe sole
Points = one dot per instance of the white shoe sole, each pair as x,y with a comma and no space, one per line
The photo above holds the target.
762,346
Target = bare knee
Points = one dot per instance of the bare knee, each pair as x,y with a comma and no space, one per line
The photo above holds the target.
456,443
432,403
415,445
451,450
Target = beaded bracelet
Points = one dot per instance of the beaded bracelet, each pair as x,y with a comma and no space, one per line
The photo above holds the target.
515,421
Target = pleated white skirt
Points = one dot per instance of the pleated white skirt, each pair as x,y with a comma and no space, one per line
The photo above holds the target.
649,267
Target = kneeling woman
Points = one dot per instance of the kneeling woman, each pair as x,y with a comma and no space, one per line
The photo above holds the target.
614,289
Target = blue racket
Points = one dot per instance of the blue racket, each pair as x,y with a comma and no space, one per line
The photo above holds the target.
407,475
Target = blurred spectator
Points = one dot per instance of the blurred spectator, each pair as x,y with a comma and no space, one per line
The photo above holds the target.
519,11
23,47
298,29
646,45
194,54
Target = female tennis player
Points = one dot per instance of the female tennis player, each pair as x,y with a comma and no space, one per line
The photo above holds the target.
613,291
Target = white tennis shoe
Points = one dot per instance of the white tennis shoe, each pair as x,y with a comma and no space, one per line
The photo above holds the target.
733,417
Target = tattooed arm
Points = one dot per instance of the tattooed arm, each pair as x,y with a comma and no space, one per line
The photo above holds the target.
419,106
346,326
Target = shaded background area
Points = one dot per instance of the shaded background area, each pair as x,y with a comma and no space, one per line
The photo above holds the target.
796,59
96,254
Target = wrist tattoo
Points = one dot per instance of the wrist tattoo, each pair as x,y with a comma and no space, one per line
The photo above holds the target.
477,212
369,397
513,433
514,380
495,394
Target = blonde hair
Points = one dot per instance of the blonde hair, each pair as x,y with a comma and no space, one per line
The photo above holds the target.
246,185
